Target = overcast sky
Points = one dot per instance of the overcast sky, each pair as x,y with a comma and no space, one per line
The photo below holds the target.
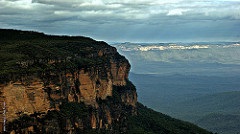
127,20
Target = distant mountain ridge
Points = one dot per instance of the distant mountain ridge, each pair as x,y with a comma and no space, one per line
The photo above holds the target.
208,58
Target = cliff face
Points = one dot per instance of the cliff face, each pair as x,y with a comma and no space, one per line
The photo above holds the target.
67,94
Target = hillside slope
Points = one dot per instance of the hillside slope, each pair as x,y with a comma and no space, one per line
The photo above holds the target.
221,123
152,122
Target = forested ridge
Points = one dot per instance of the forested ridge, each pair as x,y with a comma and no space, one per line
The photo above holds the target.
24,52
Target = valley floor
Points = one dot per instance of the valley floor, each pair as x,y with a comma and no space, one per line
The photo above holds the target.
212,102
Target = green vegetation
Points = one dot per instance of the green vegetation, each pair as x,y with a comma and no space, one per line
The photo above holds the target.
74,110
221,123
148,121
218,112
23,53
200,109
23,121
194,99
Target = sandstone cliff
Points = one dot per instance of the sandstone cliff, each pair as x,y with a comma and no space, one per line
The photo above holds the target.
54,84
61,84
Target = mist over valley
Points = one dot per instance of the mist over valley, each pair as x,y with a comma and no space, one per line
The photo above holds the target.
189,81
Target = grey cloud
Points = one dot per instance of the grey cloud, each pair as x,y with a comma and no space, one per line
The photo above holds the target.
126,19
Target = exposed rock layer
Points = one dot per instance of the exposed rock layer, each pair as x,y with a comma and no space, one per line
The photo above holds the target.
71,99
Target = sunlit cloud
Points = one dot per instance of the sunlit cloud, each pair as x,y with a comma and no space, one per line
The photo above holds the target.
177,12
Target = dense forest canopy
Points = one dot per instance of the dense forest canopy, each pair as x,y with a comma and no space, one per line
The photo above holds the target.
24,52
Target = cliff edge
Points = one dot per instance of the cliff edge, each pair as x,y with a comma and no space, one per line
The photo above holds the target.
54,84
62,84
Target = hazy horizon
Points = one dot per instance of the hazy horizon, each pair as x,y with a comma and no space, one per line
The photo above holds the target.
188,81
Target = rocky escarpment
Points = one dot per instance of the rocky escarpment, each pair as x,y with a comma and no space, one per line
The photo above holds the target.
54,84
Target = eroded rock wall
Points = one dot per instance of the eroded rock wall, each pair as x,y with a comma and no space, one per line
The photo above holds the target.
62,84
93,86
